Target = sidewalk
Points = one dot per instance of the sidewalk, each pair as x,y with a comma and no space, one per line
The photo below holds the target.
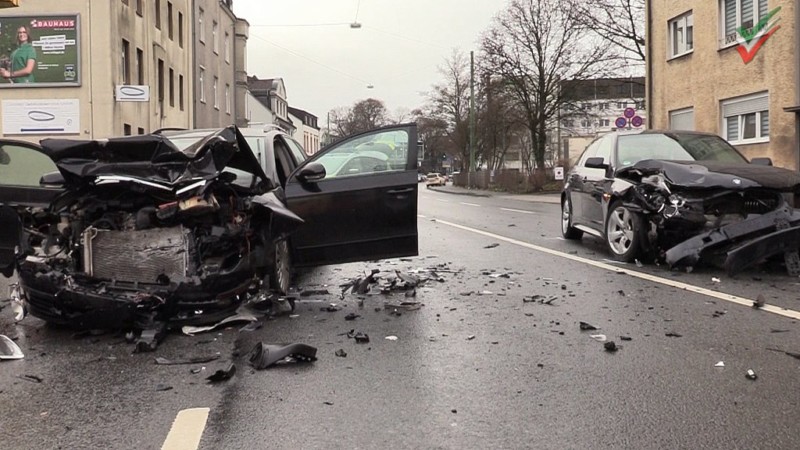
548,197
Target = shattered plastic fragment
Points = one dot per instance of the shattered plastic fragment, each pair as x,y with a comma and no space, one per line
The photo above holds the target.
197,360
9,349
470,337
264,355
31,378
242,317
751,375
759,302
610,346
391,338
351,316
715,279
720,364
675,335
222,374
587,327
406,306
598,337
341,353
492,245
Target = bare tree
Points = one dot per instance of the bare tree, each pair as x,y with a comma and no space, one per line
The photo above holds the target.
449,102
364,115
534,44
621,23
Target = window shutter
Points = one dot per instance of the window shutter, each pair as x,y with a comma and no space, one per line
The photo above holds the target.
682,120
750,105
764,123
747,13
762,9
732,124
730,17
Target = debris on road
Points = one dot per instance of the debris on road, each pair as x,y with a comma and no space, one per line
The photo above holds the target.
31,378
470,337
625,338
599,337
405,306
587,327
720,364
9,349
759,302
341,353
352,316
264,355
671,334
391,338
241,317
610,346
792,354
715,280
541,299
163,388
196,360
751,375
360,338
492,245
222,374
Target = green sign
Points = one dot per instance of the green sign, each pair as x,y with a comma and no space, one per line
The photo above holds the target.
39,50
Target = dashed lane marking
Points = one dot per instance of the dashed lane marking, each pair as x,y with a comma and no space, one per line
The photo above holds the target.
792,314
518,210
187,429
469,204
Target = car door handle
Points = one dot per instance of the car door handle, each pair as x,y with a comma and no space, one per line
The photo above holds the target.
400,191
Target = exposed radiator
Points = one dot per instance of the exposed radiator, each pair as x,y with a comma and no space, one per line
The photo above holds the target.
142,255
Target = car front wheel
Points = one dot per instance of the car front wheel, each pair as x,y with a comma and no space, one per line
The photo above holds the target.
567,230
280,276
624,233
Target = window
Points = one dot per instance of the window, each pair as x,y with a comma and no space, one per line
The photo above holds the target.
126,62
180,91
746,119
227,98
139,66
23,166
158,14
622,105
201,85
739,13
200,30
227,49
605,122
376,152
214,40
140,130
682,119
160,82
124,2
681,35
139,7
569,123
126,129
180,29
171,87
170,28
216,95
585,123
602,106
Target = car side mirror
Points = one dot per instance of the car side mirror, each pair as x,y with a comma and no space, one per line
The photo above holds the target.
311,173
596,162
761,161
52,179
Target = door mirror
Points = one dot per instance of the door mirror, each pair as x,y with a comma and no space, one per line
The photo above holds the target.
596,162
52,179
311,173
761,161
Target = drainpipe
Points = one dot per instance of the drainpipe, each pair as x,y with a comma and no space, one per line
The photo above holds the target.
90,71
797,85
649,62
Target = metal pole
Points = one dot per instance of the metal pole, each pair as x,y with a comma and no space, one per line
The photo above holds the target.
472,167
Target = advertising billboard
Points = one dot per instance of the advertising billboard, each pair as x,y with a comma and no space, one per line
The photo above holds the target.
39,50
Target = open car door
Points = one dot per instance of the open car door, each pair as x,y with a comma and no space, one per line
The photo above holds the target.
358,198
22,166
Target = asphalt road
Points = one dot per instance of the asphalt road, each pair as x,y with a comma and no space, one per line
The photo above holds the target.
477,366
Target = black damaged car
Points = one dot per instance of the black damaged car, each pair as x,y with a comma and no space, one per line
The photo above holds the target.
681,197
135,232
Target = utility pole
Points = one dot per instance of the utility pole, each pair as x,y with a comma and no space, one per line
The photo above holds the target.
472,167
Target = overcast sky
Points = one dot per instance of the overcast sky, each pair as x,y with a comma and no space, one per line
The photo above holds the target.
325,64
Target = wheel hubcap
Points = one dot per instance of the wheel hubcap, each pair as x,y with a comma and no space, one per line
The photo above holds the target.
620,230
566,212
282,269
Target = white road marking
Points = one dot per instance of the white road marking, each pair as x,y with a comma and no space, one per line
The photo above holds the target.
644,276
518,210
443,201
187,429
469,204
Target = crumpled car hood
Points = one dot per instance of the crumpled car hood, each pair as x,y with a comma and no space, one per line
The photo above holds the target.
716,174
153,157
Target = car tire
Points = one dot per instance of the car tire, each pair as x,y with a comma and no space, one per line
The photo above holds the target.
280,274
624,232
567,230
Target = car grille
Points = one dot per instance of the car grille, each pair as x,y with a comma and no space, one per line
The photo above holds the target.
145,256
752,202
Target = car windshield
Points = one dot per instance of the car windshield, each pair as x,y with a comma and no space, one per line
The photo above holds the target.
676,147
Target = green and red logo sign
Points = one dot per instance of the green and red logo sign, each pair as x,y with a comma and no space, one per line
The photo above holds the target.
751,40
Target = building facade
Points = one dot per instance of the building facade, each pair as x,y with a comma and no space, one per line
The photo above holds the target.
307,130
102,69
271,93
730,67
217,37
